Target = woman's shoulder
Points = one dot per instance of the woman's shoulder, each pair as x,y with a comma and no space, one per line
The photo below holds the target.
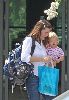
28,39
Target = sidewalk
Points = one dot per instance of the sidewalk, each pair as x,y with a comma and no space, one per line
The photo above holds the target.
17,94
63,96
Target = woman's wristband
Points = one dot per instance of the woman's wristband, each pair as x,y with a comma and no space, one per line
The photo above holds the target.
43,59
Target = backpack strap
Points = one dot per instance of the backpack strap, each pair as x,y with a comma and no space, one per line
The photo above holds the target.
33,46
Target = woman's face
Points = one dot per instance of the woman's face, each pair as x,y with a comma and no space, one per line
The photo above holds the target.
45,33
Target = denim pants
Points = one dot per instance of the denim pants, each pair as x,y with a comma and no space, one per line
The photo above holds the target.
32,87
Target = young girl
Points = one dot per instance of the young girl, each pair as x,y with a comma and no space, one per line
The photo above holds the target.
53,50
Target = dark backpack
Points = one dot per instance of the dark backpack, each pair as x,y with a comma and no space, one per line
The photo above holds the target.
16,70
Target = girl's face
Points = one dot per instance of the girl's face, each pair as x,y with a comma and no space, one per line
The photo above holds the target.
53,42
45,33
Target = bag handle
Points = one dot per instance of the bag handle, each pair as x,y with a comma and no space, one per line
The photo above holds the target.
52,64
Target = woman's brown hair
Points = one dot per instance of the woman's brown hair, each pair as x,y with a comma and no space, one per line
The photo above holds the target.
36,32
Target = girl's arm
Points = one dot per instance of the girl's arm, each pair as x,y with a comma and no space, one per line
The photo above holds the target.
60,59
61,56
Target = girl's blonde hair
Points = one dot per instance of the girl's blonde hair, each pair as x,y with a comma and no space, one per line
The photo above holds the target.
52,35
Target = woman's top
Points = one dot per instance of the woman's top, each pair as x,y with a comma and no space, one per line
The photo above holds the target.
55,53
40,51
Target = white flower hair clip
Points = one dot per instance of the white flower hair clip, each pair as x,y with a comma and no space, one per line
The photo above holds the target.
51,12
42,23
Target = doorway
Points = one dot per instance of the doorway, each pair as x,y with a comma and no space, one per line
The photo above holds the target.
35,9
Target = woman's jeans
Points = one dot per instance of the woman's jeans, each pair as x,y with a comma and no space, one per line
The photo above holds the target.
32,87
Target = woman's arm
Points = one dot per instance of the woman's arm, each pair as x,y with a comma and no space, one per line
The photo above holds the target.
40,59
26,49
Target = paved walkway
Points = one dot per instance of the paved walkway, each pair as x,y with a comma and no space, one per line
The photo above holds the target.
18,94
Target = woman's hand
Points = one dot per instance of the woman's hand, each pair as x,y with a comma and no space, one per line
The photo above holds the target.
54,63
47,59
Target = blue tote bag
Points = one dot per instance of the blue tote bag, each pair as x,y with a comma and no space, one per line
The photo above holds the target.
48,80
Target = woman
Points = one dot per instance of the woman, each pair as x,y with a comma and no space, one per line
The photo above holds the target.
40,33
